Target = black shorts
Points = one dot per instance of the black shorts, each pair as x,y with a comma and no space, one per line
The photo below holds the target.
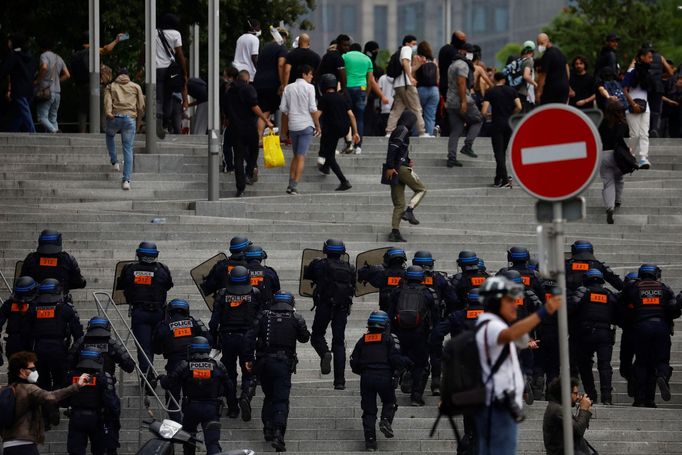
268,99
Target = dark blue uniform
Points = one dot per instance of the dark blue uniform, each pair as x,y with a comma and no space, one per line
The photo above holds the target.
264,278
273,337
462,283
547,363
443,296
203,382
218,276
19,325
334,282
61,266
386,278
145,286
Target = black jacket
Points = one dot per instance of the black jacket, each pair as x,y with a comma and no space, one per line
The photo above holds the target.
398,153
20,66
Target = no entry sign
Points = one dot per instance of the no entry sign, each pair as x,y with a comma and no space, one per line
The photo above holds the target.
555,152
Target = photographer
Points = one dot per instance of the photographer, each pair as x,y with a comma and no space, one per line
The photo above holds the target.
497,343
552,426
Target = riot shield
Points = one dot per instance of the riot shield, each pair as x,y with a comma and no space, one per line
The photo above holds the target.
371,257
200,272
17,271
305,287
117,294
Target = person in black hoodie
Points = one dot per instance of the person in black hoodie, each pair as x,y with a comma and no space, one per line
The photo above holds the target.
20,66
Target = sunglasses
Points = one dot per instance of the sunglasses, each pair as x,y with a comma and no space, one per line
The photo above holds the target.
30,369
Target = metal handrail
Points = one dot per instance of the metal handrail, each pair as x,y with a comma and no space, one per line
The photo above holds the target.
102,310
9,288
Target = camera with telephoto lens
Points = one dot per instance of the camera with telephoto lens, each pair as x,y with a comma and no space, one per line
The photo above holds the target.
507,401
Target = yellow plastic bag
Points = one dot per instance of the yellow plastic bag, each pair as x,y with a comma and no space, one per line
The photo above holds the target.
272,150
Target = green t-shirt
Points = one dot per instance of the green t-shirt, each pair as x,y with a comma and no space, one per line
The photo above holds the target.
357,67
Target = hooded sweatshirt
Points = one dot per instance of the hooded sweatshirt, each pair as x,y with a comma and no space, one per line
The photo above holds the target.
123,97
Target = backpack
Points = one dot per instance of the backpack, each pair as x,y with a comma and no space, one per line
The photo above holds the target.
411,311
394,68
613,88
337,285
625,160
8,403
514,72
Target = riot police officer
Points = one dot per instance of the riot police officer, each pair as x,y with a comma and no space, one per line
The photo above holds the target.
412,311
547,363
172,338
627,338
15,311
203,382
654,308
273,338
334,281
519,259
582,259
594,308
443,296
49,261
387,276
93,407
217,277
376,357
98,337
471,277
263,277
234,311
145,285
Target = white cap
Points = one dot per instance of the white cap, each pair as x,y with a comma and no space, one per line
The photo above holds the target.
529,44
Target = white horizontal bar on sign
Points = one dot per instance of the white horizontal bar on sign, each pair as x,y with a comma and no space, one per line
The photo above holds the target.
553,153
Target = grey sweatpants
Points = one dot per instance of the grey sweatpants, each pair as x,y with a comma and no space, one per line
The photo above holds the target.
612,179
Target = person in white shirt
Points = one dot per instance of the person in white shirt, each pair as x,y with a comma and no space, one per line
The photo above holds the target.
636,83
167,52
246,51
300,121
405,85
499,333
386,86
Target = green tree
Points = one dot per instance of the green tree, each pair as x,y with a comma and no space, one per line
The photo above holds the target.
513,49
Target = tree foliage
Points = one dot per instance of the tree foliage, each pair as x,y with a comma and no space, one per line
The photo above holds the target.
513,49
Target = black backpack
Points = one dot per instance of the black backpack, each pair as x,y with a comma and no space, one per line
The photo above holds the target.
411,311
338,282
394,68
8,403
625,160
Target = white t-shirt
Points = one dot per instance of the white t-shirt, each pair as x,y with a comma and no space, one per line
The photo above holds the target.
174,40
509,376
386,86
247,45
403,79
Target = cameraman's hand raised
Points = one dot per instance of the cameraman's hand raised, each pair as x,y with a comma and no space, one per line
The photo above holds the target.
585,403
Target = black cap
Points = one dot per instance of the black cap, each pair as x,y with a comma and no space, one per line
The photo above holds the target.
612,37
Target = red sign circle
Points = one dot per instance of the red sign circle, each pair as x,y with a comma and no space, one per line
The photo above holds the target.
555,152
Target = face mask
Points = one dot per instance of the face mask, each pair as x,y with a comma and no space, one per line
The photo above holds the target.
469,56
414,49
542,49
33,377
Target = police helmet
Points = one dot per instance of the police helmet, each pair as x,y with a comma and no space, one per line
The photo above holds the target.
518,255
199,347
50,286
98,327
49,242
327,81
630,278
423,259
533,264
473,297
593,276
377,320
649,271
25,289
494,288
481,265
255,252
179,306
467,260
90,359
414,273
395,255
511,275
581,246
239,281
284,297
147,252
239,244
333,246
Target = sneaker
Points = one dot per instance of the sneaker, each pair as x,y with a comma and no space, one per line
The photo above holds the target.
323,170
160,132
408,215
116,167
239,194
358,150
254,177
468,152
618,204
426,135
293,191
125,185
248,180
385,428
503,184
371,445
344,186
664,388
388,135
607,401
348,149
245,406
320,161
340,386
337,152
454,163
644,164
609,216
396,237
326,363
417,401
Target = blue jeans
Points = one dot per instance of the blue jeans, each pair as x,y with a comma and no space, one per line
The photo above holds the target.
21,119
429,97
497,432
301,140
126,125
47,112
358,101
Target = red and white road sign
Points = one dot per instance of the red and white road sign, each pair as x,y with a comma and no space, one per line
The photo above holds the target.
555,152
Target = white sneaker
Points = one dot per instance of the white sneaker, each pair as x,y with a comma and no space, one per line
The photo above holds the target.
125,185
388,135
337,151
116,167
320,161
358,150
425,135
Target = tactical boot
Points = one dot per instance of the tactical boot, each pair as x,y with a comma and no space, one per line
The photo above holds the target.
385,428
326,363
245,406
408,215
664,388
371,445
278,441
528,396
468,151
339,385
395,236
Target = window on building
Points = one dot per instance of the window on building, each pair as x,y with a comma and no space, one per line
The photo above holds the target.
501,19
348,19
381,25
411,20
328,18
478,19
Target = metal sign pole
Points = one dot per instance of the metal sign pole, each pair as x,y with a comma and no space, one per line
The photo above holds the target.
558,273
150,75
94,117
213,104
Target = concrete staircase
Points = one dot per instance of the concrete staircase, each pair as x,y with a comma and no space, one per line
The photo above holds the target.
66,183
